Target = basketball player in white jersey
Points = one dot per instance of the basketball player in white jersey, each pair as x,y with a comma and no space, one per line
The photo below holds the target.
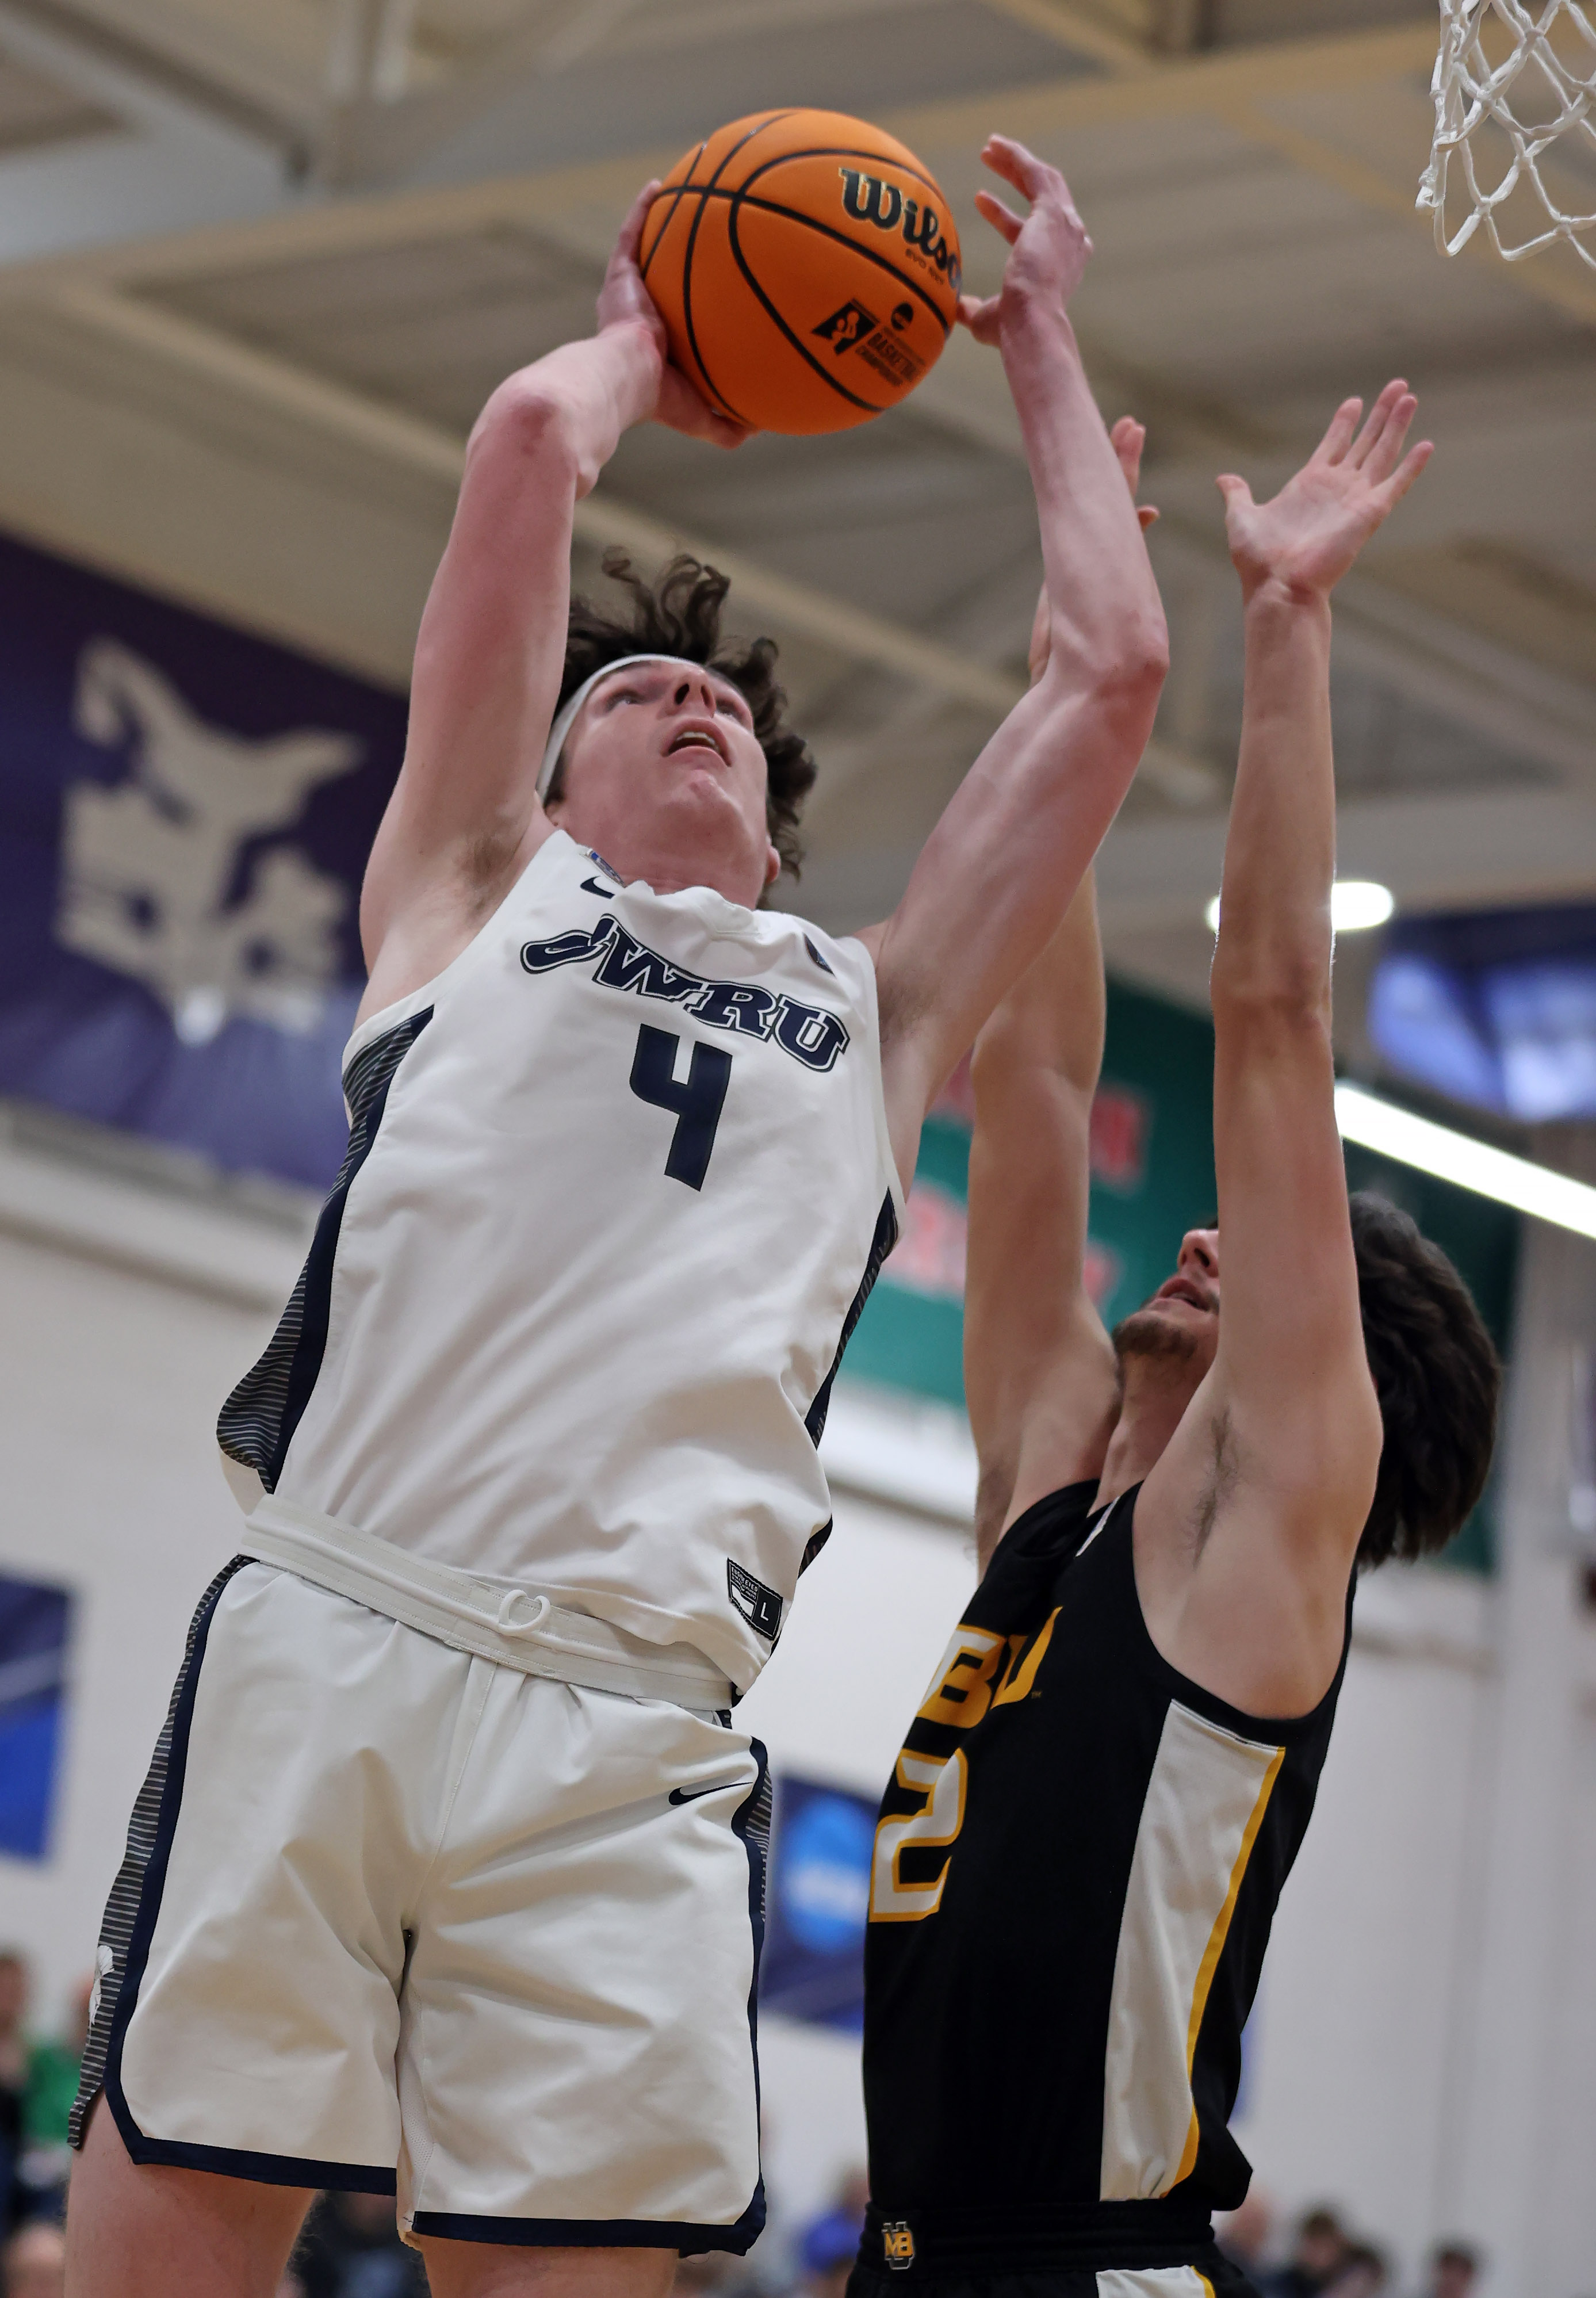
1087,1832
450,1858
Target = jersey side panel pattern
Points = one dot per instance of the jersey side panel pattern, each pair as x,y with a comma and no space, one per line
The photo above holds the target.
257,1423
149,1835
881,1246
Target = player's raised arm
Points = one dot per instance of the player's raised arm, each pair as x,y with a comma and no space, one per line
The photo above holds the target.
1040,1376
1040,1379
465,816
1253,1513
1003,863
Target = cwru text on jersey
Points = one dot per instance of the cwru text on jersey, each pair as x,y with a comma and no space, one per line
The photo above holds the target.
812,1034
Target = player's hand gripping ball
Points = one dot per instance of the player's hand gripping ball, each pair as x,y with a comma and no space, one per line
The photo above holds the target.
807,270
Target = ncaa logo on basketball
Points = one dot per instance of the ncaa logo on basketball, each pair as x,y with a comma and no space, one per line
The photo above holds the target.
853,328
897,2244
847,327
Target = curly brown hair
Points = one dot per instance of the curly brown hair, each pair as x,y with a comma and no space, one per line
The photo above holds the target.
1438,1379
680,613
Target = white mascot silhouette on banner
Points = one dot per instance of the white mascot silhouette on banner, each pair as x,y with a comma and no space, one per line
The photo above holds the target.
149,866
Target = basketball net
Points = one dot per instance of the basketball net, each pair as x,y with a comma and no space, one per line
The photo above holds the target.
1511,81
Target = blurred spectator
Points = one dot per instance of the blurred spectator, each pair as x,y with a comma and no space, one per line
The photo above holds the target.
350,2248
13,2086
830,2247
53,2069
1316,2256
13,2006
1243,2235
1362,2273
1454,2269
39,2081
35,2261
854,2195
51,2085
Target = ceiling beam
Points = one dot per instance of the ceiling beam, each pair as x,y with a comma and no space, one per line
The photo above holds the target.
378,138
1172,88
368,51
242,88
1082,30
1531,713
601,520
1463,850
1491,691
1232,84
602,189
353,226
1565,290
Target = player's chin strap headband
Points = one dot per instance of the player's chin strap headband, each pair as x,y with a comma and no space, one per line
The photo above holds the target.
566,719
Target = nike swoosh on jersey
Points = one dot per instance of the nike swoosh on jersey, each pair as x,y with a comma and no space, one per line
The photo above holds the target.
716,1787
591,886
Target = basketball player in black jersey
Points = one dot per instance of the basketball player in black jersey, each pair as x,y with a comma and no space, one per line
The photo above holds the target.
1086,1835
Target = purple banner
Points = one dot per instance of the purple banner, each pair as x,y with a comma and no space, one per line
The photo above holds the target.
185,816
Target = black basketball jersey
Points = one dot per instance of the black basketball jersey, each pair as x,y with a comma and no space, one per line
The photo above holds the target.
1076,1867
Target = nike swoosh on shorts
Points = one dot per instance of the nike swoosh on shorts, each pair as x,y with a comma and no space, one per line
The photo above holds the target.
716,1787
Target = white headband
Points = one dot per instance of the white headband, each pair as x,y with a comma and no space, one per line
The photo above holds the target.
566,718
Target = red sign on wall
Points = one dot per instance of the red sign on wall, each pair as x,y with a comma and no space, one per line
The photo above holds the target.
1119,1138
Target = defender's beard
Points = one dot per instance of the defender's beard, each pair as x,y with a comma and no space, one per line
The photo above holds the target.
1146,1334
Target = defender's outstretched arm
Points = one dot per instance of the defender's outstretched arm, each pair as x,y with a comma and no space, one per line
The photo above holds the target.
1040,1376
465,817
1040,1379
1253,1513
1002,865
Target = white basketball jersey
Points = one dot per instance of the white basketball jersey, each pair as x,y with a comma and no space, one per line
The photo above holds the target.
617,1184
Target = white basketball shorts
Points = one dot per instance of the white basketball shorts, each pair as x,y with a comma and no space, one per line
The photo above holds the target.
396,1918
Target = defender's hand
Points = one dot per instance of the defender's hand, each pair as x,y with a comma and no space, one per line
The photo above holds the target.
624,301
1047,250
1129,437
1306,538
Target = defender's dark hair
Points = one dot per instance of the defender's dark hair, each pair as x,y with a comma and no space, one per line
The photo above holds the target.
1438,1379
680,613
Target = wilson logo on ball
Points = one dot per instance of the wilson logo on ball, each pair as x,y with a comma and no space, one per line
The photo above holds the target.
871,199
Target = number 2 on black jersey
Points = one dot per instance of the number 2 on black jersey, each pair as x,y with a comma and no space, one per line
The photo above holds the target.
979,1670
697,1100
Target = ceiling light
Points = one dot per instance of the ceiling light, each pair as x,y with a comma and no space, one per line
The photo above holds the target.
1358,903
1418,1141
1355,904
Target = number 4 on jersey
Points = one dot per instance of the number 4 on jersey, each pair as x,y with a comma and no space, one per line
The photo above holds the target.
696,1101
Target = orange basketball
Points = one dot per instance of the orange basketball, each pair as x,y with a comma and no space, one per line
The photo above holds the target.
807,269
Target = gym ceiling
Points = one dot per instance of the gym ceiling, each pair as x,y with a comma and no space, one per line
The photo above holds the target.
261,261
